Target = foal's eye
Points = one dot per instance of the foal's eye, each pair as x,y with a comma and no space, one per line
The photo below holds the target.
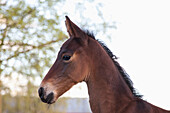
66,57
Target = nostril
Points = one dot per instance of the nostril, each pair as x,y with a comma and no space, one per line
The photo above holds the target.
50,98
40,91
41,94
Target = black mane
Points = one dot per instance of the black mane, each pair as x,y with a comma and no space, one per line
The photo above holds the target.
125,76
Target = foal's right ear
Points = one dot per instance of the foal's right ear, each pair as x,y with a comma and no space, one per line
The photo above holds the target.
74,31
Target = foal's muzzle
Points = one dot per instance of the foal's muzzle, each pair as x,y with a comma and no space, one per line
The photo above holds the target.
46,99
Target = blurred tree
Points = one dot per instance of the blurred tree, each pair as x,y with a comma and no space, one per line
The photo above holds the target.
25,31
88,9
29,31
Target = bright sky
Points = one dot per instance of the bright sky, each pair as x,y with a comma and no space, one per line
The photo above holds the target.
141,40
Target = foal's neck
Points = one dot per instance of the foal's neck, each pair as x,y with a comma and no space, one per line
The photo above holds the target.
108,91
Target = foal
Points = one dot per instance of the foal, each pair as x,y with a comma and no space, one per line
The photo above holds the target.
82,58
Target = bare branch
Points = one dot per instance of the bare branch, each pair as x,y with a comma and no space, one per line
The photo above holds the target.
4,34
33,47
12,44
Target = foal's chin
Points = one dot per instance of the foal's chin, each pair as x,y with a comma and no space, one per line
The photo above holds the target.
55,97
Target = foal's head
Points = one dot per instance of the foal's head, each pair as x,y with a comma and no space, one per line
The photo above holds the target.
71,66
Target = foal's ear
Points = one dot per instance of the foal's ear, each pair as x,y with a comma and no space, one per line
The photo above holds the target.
73,30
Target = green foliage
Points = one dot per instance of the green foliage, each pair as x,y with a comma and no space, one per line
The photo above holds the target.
26,33
29,38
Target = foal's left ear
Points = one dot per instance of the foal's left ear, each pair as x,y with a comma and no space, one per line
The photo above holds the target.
74,31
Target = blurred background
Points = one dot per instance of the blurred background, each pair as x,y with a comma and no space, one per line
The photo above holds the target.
32,31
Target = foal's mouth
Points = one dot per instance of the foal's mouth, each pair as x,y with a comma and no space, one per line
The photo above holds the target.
49,99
